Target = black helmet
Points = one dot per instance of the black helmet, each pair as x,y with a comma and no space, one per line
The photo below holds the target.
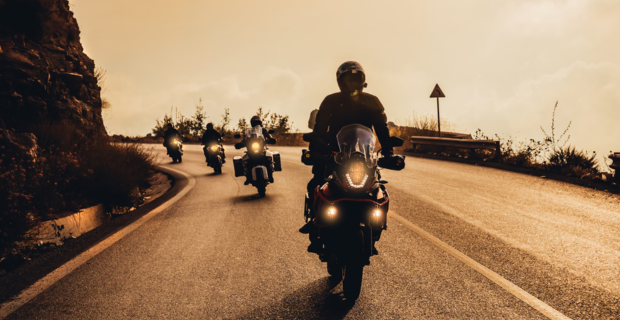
350,66
255,121
351,78
209,126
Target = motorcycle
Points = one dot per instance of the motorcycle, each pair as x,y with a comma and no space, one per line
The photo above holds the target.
349,211
213,152
175,150
258,164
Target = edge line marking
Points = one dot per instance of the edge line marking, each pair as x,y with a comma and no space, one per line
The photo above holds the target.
513,289
42,284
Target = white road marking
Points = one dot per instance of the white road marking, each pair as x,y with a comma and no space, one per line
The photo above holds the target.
28,294
496,278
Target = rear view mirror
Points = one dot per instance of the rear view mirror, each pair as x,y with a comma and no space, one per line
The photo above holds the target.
239,145
396,141
237,136
392,163
271,132
271,141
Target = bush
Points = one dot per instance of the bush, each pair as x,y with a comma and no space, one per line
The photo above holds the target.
570,161
69,172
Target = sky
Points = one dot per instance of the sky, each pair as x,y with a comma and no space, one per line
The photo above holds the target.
501,64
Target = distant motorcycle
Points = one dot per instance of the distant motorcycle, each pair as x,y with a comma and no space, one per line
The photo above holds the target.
350,210
258,164
175,150
213,151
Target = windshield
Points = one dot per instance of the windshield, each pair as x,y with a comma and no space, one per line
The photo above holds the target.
356,140
254,132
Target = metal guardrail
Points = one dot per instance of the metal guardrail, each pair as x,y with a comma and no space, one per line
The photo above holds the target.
457,143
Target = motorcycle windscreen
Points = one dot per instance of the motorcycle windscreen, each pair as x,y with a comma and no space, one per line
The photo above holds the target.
358,140
256,131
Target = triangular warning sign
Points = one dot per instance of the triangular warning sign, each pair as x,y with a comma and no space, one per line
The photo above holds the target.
437,93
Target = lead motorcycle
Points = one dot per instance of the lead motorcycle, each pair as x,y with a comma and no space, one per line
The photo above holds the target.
350,210
213,152
258,163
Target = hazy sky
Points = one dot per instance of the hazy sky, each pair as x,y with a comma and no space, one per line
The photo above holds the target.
501,64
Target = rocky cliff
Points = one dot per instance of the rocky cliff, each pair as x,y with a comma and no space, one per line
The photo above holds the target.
45,77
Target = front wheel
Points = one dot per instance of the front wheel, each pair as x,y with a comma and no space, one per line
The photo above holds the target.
334,268
354,266
217,166
352,284
260,183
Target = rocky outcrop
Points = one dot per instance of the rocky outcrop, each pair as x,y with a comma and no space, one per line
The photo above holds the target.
45,77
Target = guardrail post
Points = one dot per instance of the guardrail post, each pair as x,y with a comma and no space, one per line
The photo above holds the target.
615,157
498,151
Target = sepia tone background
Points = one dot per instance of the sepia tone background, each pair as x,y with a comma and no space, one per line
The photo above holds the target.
502,64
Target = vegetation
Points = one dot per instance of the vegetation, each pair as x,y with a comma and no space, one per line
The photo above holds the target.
553,153
193,128
67,172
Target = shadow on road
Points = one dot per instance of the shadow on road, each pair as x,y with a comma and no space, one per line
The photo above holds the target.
247,198
314,301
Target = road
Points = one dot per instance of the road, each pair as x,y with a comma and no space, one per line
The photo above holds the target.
222,252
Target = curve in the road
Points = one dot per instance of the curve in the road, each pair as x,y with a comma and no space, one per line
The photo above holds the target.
9,307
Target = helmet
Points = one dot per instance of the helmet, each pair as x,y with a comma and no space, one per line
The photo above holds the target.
351,78
350,66
209,126
255,121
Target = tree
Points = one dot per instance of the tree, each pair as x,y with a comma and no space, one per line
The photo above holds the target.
272,121
198,120
242,126
161,126
223,126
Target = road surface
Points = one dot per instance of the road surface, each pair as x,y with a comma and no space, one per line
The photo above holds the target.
222,252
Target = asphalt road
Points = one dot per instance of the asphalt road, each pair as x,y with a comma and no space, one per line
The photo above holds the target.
222,252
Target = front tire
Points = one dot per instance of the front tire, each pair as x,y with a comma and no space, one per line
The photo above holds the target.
217,166
334,269
260,183
354,268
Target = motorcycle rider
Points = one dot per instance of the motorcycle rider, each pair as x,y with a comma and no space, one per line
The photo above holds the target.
349,106
256,121
169,136
211,135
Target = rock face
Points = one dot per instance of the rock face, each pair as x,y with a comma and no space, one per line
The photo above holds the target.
45,77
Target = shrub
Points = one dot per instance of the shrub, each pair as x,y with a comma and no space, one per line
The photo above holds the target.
568,160
69,172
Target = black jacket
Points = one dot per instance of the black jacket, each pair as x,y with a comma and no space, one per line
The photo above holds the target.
337,110
171,134
211,135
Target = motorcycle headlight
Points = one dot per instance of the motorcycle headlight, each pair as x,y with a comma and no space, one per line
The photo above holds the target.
213,148
255,146
377,214
357,176
331,212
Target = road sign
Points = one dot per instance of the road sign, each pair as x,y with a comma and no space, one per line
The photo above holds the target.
437,93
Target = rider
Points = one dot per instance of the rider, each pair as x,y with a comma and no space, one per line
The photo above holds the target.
211,135
170,134
349,106
256,121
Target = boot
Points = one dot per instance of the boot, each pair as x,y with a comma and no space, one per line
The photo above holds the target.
307,228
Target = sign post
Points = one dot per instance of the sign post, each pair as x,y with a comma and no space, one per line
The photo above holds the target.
437,93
